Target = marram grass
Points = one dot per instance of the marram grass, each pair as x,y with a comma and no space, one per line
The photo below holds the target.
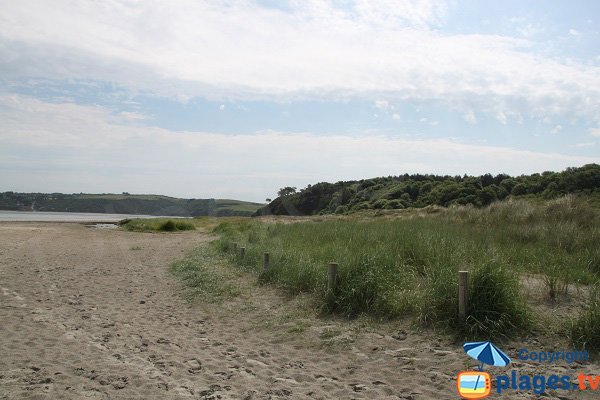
390,268
157,225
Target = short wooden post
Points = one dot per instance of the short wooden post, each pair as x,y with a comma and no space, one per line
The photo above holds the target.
331,276
242,252
463,294
266,261
234,248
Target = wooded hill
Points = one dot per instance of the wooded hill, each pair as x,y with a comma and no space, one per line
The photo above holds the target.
396,192
125,204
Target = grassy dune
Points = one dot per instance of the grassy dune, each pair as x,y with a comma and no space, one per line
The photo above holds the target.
392,267
157,225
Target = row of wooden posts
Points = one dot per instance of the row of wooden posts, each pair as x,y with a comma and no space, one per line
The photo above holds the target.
332,269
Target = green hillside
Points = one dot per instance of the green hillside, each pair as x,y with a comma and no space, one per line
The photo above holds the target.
126,204
403,191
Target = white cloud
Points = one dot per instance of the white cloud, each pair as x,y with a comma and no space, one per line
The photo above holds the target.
396,116
382,104
573,32
586,144
557,129
420,13
72,148
229,49
427,121
470,117
222,107
595,131
501,116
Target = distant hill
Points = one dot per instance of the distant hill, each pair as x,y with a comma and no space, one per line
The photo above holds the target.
396,192
125,204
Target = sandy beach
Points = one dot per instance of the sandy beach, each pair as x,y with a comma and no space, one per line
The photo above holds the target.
89,313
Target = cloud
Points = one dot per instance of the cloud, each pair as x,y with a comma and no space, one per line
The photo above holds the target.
421,13
470,117
72,148
382,104
586,144
500,116
222,107
373,50
573,32
595,131
131,116
557,129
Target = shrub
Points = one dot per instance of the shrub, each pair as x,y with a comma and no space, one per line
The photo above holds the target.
495,304
379,204
585,329
395,204
167,226
184,226
157,225
341,209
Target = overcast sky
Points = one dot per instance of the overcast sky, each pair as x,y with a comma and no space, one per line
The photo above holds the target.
235,99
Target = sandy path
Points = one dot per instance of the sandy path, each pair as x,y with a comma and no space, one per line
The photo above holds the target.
90,313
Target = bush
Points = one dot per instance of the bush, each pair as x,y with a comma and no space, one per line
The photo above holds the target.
341,209
167,226
380,204
395,204
157,225
495,305
171,226
184,226
585,330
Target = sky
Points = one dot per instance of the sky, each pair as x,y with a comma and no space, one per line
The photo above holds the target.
238,98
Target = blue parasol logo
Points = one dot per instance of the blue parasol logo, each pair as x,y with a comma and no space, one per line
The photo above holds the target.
486,353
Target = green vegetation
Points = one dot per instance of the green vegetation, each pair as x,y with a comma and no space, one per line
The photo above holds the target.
585,329
407,264
157,225
404,191
126,204
206,282
227,207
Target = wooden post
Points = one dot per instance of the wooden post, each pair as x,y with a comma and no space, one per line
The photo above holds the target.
463,295
266,261
331,275
234,247
242,252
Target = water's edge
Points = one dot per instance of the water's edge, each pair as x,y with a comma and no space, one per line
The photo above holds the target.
50,216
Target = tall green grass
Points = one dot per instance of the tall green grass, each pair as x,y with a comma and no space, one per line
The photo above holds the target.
199,271
157,225
408,266
585,328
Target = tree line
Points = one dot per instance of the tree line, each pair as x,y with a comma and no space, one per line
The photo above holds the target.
419,190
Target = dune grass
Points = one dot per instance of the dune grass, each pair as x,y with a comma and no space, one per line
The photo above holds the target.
585,328
408,266
206,282
157,225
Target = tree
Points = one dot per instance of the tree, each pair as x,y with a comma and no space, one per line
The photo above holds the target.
286,191
519,189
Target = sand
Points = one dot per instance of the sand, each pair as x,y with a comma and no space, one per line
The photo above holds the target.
91,313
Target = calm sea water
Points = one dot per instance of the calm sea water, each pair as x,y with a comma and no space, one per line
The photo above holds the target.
46,216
